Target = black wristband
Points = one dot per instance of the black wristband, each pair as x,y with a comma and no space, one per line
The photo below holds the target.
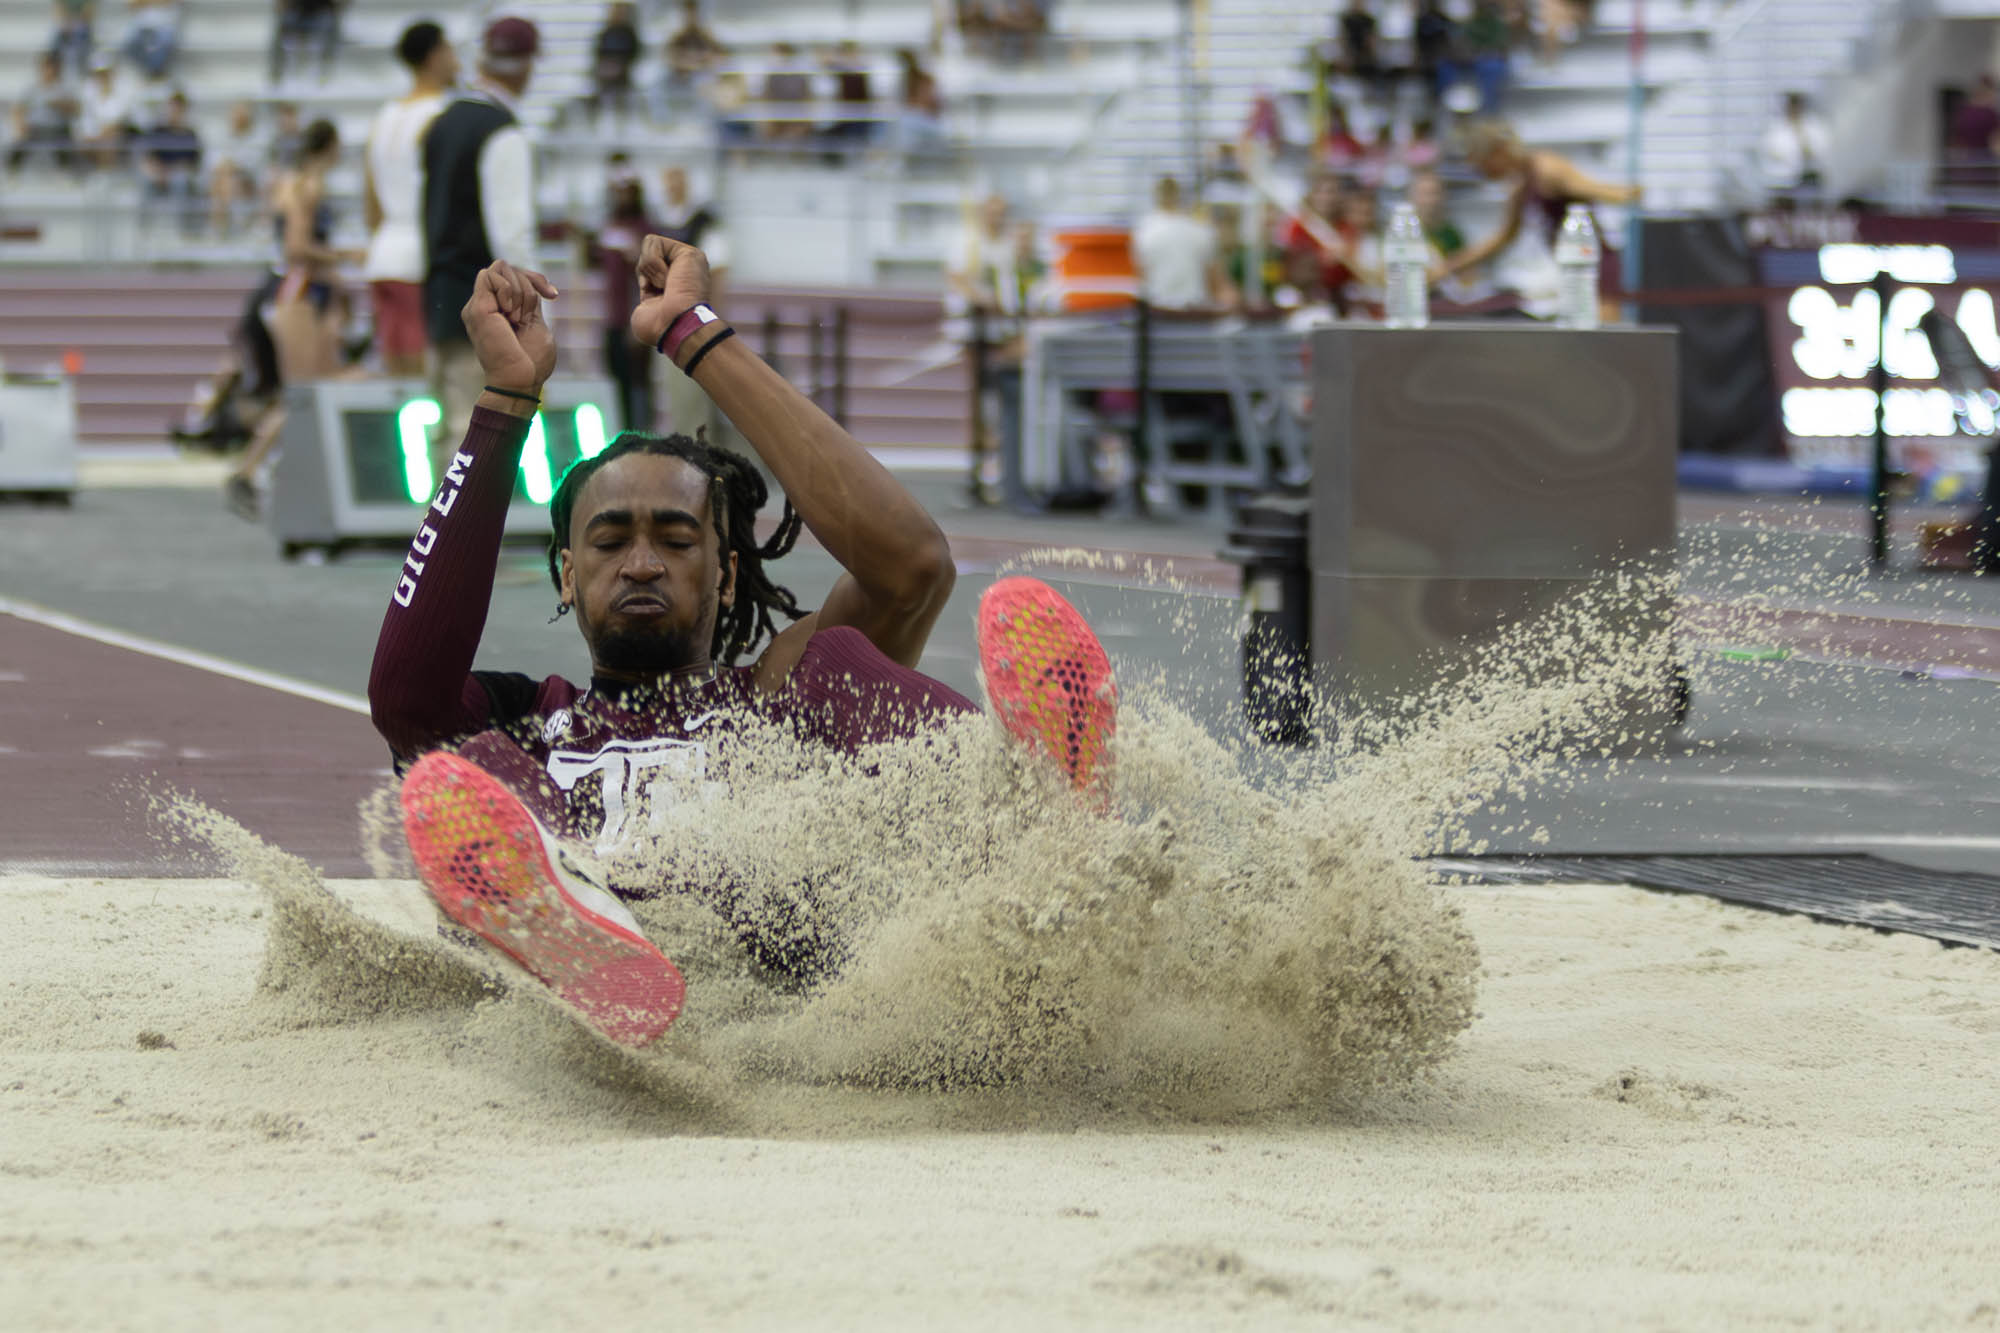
514,393
705,349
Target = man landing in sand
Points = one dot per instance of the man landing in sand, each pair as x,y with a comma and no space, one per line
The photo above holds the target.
654,549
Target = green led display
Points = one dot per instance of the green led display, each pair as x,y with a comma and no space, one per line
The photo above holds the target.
414,420
551,447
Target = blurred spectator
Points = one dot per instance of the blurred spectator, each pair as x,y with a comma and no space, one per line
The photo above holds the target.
1545,184
170,162
286,137
44,118
1232,255
479,206
1427,196
920,124
615,250
1360,55
110,116
1224,182
1315,258
392,198
1359,228
994,273
786,81
727,93
1263,124
689,220
305,25
1975,126
233,170
152,36
981,271
1382,160
1225,170
612,57
1561,22
1447,242
1175,255
291,329
851,88
1423,150
1433,39
691,53
1793,152
1483,43
1338,149
71,37
1009,29
1972,140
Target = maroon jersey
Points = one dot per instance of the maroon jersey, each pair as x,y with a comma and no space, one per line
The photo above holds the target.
585,759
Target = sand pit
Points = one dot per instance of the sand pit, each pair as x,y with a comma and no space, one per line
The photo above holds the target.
1670,1113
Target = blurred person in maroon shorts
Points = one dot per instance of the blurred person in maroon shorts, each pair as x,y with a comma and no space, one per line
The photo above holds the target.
392,198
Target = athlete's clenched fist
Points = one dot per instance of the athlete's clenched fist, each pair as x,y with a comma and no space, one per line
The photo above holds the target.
504,320
672,277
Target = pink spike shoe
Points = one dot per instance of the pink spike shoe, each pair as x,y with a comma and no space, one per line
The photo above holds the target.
1049,681
494,870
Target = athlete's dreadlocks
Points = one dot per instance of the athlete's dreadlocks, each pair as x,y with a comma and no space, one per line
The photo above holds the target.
736,491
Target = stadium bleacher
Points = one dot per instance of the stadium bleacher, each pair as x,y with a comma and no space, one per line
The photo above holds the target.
1075,134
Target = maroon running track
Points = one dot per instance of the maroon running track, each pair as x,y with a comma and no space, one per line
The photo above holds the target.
86,729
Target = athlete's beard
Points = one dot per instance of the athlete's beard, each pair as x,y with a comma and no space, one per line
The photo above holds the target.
646,651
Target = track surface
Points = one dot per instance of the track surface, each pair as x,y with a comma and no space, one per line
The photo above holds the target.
1832,750
90,728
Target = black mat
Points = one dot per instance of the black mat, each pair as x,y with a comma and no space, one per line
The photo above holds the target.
1855,889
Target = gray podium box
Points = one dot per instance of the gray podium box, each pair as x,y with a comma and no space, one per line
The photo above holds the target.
1469,476
38,436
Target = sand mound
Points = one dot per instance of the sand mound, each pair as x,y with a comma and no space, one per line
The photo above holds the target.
1638,1132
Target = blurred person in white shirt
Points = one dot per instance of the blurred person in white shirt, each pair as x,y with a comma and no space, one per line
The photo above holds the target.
981,271
233,169
393,198
1794,150
109,115
1175,254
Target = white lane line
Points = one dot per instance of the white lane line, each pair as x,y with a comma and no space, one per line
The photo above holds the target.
1789,782
1914,840
167,652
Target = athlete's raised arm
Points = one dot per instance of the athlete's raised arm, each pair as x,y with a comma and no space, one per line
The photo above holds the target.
899,568
421,692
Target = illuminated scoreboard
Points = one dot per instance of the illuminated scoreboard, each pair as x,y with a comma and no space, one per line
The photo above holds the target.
355,465
1831,327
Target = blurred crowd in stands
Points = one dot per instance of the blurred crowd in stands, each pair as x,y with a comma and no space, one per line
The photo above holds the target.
1459,52
831,98
97,107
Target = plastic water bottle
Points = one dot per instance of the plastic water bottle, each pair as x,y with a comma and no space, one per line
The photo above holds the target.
1406,261
1576,261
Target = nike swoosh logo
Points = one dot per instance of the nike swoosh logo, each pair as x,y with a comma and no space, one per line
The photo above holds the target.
694,722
